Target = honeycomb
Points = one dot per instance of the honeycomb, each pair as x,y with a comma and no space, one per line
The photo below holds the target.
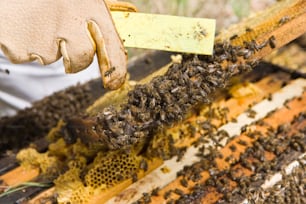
78,163
66,153
82,171
46,163
111,169
84,180
71,189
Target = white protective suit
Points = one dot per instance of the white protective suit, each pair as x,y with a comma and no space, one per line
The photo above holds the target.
30,82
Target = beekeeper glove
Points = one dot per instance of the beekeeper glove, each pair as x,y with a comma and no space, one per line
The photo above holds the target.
45,30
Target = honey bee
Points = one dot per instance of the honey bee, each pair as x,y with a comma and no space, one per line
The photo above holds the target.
248,29
234,37
155,191
109,72
143,165
178,192
272,42
167,194
184,182
283,20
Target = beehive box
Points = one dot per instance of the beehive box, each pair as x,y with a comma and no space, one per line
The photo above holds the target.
239,147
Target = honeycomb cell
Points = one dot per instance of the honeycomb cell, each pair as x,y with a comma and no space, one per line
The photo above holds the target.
111,169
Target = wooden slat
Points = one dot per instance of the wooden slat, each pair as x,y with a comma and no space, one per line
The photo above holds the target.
189,157
43,196
282,116
19,175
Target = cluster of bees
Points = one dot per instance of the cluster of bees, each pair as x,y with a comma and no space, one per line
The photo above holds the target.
168,98
254,159
33,123
290,190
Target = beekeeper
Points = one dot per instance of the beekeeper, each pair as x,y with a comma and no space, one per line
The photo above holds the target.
81,32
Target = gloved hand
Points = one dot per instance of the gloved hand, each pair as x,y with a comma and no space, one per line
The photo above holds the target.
45,30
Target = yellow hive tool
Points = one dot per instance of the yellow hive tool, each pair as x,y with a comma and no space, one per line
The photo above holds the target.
165,32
